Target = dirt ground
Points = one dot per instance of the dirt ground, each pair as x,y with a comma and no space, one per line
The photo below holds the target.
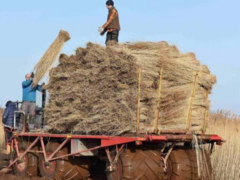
11,177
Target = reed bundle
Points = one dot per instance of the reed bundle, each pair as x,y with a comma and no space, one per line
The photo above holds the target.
95,91
186,85
50,56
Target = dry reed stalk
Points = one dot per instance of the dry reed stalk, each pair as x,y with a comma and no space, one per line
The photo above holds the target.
139,98
158,102
2,134
50,56
202,157
225,158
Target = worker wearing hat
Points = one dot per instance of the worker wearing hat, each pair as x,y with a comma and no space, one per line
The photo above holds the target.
8,115
29,99
8,119
112,26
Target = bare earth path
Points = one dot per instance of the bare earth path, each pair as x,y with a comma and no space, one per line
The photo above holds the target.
11,177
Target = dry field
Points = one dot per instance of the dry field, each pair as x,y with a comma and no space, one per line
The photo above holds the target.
11,177
226,158
1,130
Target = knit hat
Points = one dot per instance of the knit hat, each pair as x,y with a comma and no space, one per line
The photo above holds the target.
8,103
110,3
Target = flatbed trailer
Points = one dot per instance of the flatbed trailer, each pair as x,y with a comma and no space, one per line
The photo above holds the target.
168,155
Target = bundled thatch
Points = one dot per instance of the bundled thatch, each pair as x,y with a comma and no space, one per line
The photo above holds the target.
181,102
95,91
46,62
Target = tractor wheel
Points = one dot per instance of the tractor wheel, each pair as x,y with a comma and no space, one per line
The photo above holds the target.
118,172
28,165
61,169
138,164
182,164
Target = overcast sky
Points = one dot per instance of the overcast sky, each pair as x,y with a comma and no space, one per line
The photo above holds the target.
210,28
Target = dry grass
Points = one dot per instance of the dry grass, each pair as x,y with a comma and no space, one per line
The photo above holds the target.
46,62
2,136
226,158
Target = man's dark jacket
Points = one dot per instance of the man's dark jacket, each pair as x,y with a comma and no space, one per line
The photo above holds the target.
8,115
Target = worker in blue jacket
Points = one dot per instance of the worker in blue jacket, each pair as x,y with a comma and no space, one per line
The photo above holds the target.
29,99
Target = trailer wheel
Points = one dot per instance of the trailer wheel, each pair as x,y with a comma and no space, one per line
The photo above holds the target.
64,168
118,173
182,164
138,164
28,165
52,168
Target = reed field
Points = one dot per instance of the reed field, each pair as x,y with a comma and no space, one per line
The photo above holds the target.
1,112
226,158
1,131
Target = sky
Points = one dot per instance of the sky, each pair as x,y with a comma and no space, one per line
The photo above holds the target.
209,28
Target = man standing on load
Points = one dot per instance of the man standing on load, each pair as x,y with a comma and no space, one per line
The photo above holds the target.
112,26
29,100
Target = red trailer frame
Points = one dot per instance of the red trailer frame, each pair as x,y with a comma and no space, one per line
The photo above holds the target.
105,142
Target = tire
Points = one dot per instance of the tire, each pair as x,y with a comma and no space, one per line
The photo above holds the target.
61,169
138,164
182,165
78,169
118,173
28,166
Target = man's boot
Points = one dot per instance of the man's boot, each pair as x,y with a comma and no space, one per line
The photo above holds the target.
32,121
25,124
